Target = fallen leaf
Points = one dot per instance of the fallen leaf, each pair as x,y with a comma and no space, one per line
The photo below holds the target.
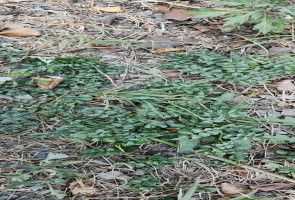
67,1
283,104
255,93
84,190
159,42
108,20
105,49
162,8
202,28
272,186
172,129
113,175
288,112
236,44
110,9
12,1
178,14
78,188
165,50
149,27
171,73
20,32
48,83
239,99
240,171
189,39
276,51
232,190
284,85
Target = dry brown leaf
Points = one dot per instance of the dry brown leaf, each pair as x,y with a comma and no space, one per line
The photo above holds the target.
161,9
272,186
149,27
12,1
172,129
236,44
178,14
284,85
107,20
67,1
159,42
20,32
189,39
240,171
110,9
171,73
202,28
256,93
232,190
165,50
105,49
79,187
239,99
84,191
48,83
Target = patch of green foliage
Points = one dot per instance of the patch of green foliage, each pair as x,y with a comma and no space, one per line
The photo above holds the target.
10,54
49,173
243,70
268,15
125,119
190,115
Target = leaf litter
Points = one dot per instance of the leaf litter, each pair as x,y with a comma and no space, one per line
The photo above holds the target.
144,99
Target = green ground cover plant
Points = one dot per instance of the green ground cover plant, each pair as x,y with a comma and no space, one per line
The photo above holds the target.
190,115
267,15
7,53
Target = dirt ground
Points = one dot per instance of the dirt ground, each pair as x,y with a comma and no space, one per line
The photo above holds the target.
69,28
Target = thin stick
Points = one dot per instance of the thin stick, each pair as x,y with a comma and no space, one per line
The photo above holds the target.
269,91
107,76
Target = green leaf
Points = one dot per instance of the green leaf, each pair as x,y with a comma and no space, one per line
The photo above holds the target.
265,26
227,97
57,193
282,139
236,3
54,156
290,10
20,184
238,19
191,191
287,121
207,12
272,165
187,145
18,177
